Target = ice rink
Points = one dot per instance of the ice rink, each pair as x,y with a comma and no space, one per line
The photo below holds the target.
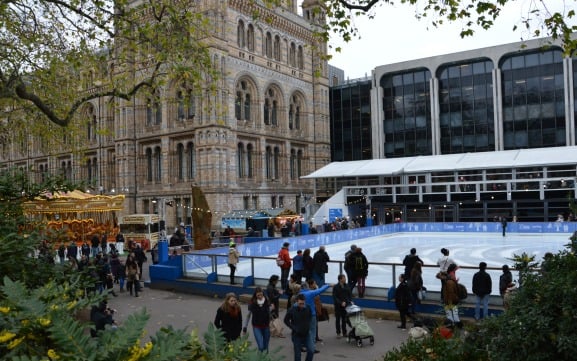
467,249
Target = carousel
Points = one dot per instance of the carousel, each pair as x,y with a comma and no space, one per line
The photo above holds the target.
76,216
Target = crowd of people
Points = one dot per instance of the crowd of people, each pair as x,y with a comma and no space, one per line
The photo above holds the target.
306,282
103,262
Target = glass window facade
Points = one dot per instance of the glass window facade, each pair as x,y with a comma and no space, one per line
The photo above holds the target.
407,113
533,99
351,122
466,116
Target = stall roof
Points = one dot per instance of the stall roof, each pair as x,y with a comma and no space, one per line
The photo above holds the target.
262,213
450,162
246,213
73,202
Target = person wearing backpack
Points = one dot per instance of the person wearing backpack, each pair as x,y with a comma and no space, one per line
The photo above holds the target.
451,296
482,286
360,269
347,267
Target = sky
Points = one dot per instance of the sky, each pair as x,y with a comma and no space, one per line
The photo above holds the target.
395,35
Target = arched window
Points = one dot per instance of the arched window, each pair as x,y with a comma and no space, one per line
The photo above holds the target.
242,103
180,105
293,164
300,159
191,171
89,171
292,55
240,34
295,107
271,105
277,48
300,58
158,164
186,103
250,160
91,126
180,161
250,37
240,157
153,111
276,163
269,163
149,163
268,45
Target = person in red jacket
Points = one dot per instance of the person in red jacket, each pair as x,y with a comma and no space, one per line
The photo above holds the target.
284,262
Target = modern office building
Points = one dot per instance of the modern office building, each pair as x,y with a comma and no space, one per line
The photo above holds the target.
350,109
272,126
468,136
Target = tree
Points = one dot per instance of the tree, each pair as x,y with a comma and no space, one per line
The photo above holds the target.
540,19
56,56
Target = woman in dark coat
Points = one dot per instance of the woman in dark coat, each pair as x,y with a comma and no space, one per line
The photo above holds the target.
229,318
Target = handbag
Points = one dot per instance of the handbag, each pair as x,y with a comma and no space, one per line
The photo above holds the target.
276,327
323,315
441,275
279,261
422,294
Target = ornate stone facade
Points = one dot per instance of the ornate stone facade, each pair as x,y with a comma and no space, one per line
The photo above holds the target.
245,145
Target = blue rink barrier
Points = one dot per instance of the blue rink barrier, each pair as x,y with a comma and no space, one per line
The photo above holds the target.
269,247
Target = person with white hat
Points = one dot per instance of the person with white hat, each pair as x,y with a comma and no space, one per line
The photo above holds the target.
233,256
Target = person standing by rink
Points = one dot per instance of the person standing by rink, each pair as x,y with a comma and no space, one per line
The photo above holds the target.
259,310
299,319
482,286
410,261
229,318
321,265
284,262
233,257
444,262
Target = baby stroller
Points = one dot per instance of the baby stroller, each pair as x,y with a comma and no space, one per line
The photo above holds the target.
360,328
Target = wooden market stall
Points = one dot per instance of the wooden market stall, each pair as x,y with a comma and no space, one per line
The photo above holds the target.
77,215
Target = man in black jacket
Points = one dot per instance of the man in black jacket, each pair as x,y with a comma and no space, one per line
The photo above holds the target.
342,297
482,286
298,318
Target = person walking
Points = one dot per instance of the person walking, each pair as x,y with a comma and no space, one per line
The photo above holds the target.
403,300
321,265
310,294
131,271
140,258
299,319
259,310
273,295
233,257
410,261
360,267
342,297
284,262
482,286
229,317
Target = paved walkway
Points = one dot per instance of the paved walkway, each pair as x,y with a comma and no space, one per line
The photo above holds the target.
192,311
